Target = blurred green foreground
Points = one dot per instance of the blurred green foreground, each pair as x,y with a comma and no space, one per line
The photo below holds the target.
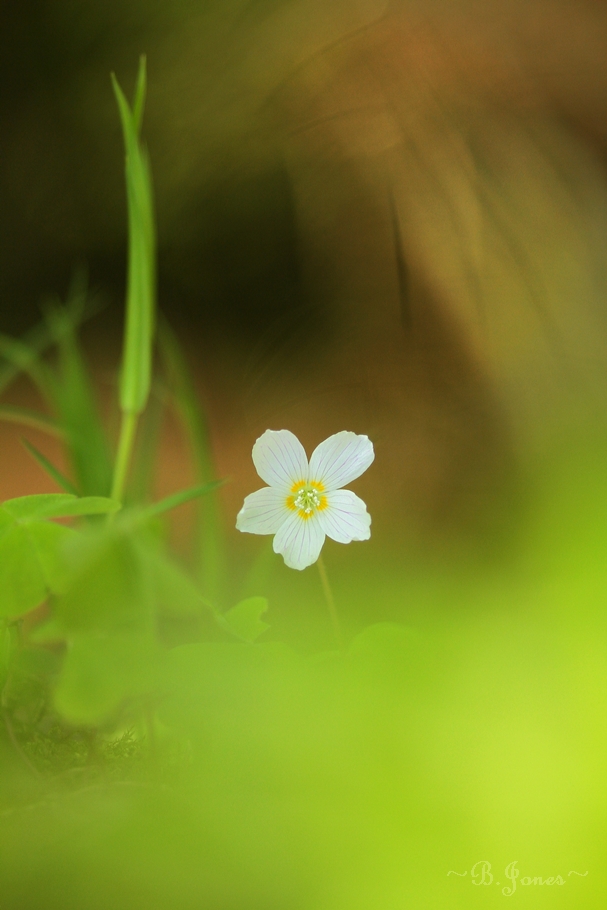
472,732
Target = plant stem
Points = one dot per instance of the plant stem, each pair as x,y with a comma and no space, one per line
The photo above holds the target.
123,457
326,587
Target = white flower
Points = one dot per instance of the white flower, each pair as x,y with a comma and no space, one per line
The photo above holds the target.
304,502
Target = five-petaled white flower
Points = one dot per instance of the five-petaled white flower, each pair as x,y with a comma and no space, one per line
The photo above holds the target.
304,502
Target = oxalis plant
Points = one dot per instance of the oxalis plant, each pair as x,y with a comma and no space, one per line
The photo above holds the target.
86,602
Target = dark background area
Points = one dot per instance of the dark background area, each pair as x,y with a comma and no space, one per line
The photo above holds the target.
234,270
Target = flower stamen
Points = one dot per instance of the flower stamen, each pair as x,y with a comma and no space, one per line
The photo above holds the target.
308,499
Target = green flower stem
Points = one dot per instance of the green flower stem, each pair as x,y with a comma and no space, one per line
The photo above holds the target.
326,587
128,429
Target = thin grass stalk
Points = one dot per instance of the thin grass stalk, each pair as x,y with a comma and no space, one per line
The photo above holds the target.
209,538
135,374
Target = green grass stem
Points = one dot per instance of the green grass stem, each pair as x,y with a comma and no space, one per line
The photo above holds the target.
330,601
126,442
136,369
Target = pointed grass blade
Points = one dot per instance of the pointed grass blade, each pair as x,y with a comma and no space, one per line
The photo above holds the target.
26,359
210,544
74,400
27,418
53,472
176,499
141,282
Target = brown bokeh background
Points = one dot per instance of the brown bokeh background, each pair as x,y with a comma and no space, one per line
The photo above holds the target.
389,217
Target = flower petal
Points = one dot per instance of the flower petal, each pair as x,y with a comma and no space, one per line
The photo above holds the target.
345,518
263,512
280,459
340,459
300,540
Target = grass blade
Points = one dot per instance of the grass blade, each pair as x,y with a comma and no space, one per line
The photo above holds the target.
15,414
176,499
74,399
146,448
50,468
141,282
32,346
210,544
136,367
25,359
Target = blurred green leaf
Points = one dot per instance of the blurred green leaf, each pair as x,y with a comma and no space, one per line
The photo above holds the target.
50,541
37,505
32,563
22,583
244,620
174,590
57,505
140,92
234,682
110,585
101,672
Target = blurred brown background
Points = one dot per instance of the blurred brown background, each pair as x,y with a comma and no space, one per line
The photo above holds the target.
389,217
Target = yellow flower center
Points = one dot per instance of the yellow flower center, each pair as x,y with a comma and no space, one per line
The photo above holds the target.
307,498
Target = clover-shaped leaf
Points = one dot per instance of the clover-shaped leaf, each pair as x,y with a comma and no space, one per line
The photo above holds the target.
32,561
243,619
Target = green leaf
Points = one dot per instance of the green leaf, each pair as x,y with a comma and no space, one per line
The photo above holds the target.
50,468
22,583
28,508
174,590
32,563
103,671
208,683
6,521
50,542
110,586
57,505
140,90
243,619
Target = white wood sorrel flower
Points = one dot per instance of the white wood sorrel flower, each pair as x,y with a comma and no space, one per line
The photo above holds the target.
304,501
